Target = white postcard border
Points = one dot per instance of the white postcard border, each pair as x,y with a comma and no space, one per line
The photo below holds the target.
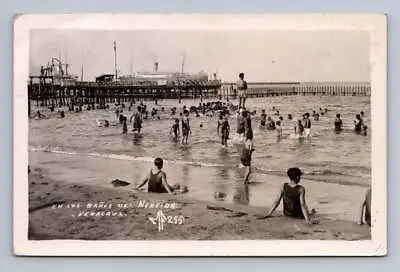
375,24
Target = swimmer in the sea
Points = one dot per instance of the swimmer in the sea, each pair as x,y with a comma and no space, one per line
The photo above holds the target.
270,123
137,119
263,118
358,124
278,128
39,115
175,129
299,129
338,123
307,125
225,128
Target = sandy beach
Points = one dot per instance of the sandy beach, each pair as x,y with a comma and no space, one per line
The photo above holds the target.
59,210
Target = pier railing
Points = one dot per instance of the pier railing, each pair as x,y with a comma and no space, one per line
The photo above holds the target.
45,92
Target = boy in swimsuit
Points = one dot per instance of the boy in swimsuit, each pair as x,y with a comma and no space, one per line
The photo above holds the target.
248,130
263,118
270,123
293,195
242,87
307,124
185,127
299,129
338,123
358,124
365,212
278,128
156,179
175,129
137,120
245,158
225,128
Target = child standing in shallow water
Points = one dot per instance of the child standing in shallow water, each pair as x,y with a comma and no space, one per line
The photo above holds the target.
225,128
175,129
245,158
185,127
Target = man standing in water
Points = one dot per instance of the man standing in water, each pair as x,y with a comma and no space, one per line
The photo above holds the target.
137,119
307,124
242,88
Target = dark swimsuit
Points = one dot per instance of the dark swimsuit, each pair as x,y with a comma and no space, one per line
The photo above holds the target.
155,184
224,130
240,125
137,122
185,127
367,215
291,201
175,129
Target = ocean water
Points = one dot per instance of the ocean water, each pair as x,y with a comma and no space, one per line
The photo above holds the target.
337,166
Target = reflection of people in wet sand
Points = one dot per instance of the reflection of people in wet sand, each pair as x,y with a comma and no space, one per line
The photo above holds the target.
294,200
241,195
365,213
156,179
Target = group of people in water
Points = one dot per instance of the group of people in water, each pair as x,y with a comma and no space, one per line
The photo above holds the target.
292,193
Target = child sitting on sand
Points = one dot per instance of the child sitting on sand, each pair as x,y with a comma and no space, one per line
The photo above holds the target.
156,179
294,201
366,209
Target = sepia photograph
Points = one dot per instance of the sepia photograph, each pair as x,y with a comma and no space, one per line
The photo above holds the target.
175,131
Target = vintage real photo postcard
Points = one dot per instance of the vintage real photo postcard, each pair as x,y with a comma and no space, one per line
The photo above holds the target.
200,135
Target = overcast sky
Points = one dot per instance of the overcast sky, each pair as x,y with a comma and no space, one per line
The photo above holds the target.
261,55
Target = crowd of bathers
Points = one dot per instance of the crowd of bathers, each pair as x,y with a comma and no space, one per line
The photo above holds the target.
291,193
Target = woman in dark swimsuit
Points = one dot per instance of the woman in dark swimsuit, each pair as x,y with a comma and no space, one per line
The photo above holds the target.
293,194
157,179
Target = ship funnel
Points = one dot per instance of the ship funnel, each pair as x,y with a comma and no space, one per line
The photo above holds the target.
156,67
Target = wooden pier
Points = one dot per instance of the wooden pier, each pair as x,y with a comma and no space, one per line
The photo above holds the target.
228,90
43,91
